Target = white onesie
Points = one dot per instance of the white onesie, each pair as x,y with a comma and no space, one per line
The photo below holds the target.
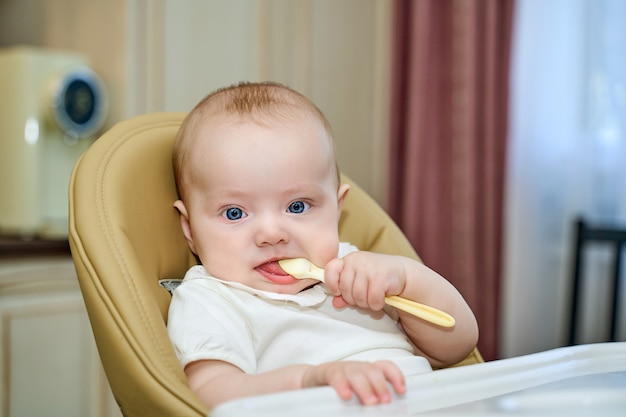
258,331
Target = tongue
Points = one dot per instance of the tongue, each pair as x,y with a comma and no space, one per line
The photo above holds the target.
273,268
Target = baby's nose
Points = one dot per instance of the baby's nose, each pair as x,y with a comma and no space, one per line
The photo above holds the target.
271,231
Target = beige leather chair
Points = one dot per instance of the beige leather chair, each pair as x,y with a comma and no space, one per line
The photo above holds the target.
125,237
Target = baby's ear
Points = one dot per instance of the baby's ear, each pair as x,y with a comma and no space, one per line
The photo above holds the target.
185,223
341,194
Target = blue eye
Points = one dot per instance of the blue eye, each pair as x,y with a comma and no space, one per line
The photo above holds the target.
234,213
298,207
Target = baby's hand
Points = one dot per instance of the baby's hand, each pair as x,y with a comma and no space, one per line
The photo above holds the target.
368,381
364,279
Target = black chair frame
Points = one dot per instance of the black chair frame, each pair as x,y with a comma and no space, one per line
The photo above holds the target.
584,233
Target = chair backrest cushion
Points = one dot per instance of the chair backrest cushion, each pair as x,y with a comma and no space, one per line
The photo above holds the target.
125,236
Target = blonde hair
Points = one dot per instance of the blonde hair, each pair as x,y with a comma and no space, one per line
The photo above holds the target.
261,103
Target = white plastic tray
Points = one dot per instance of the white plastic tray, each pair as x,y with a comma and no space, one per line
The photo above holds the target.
579,380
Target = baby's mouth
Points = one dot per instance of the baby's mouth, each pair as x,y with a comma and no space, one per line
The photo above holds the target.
274,273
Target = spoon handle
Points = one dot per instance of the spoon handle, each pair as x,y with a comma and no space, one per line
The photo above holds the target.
422,311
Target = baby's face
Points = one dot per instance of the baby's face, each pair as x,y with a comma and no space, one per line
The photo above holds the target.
261,194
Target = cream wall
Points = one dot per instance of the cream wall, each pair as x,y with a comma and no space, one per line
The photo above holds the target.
165,55
335,52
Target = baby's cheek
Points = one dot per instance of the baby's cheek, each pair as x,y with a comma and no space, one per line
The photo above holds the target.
326,253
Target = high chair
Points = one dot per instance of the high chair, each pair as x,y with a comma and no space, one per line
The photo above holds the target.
125,238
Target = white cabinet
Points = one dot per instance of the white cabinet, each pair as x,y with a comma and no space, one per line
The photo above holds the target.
49,365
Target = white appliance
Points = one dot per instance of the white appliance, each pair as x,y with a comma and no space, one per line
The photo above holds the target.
51,106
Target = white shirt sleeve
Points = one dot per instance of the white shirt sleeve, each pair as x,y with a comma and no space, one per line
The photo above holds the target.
203,325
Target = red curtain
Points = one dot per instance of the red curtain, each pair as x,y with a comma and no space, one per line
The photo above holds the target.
448,142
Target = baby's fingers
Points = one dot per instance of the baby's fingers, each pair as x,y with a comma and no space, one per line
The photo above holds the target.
393,375
332,271
370,388
370,391
339,302
371,384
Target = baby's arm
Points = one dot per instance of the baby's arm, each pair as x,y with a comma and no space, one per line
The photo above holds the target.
365,278
216,382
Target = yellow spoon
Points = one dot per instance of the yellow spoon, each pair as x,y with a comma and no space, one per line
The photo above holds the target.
301,268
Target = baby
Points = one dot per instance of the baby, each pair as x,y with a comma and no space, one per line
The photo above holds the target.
258,182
